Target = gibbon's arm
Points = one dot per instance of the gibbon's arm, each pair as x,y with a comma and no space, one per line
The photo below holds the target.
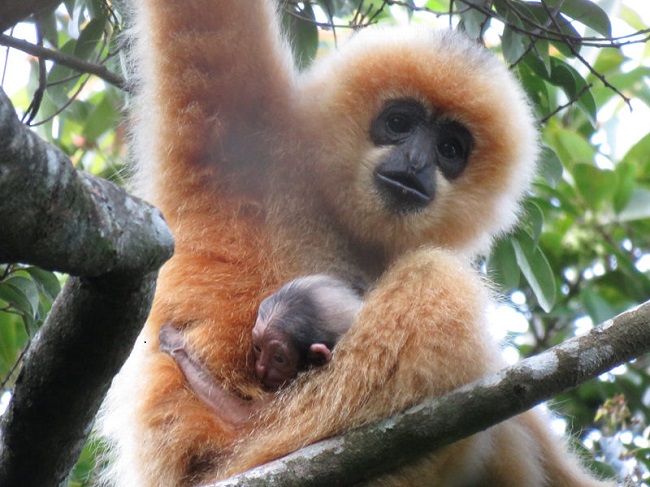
201,108
387,361
397,354
230,408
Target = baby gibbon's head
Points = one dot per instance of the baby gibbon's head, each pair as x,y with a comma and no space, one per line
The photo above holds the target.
424,138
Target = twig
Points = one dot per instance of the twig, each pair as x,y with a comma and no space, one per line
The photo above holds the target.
65,60
546,118
15,366
586,63
35,104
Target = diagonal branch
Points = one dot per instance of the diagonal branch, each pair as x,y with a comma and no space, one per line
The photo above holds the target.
64,60
381,448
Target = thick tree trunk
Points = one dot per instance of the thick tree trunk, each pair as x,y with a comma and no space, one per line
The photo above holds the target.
61,219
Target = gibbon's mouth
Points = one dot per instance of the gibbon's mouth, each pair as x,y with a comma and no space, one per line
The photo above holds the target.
406,191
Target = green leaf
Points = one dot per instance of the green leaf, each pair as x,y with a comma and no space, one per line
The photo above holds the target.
535,87
569,47
585,12
61,78
502,265
639,155
535,267
90,37
550,166
11,341
28,288
534,13
626,184
473,22
513,45
19,304
575,86
304,34
633,82
15,298
571,147
103,118
595,185
47,24
97,7
534,220
597,307
437,5
609,60
638,206
632,17
537,65
553,244
47,281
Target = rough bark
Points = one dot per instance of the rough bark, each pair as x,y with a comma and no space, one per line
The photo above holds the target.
58,218
383,447
62,219
66,373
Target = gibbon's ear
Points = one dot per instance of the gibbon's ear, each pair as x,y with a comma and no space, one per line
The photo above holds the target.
319,354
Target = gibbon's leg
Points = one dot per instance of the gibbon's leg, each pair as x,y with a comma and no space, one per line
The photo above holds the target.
562,467
396,354
519,452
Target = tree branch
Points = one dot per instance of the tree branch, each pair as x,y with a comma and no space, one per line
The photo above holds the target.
64,59
381,448
58,218
66,374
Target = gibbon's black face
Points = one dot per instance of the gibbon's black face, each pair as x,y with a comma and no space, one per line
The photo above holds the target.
422,146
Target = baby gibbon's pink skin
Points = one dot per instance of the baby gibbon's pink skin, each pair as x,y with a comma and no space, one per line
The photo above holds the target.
298,326
231,408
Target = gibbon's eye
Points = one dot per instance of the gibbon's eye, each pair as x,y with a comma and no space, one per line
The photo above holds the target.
449,148
399,124
278,359
396,121
453,147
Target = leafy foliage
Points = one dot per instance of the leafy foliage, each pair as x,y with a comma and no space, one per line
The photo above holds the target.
582,252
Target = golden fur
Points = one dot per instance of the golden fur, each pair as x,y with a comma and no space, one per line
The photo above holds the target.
265,174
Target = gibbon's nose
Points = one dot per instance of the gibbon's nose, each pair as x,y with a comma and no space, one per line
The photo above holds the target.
419,151
406,178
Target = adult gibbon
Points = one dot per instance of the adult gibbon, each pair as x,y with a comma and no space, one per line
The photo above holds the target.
394,160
